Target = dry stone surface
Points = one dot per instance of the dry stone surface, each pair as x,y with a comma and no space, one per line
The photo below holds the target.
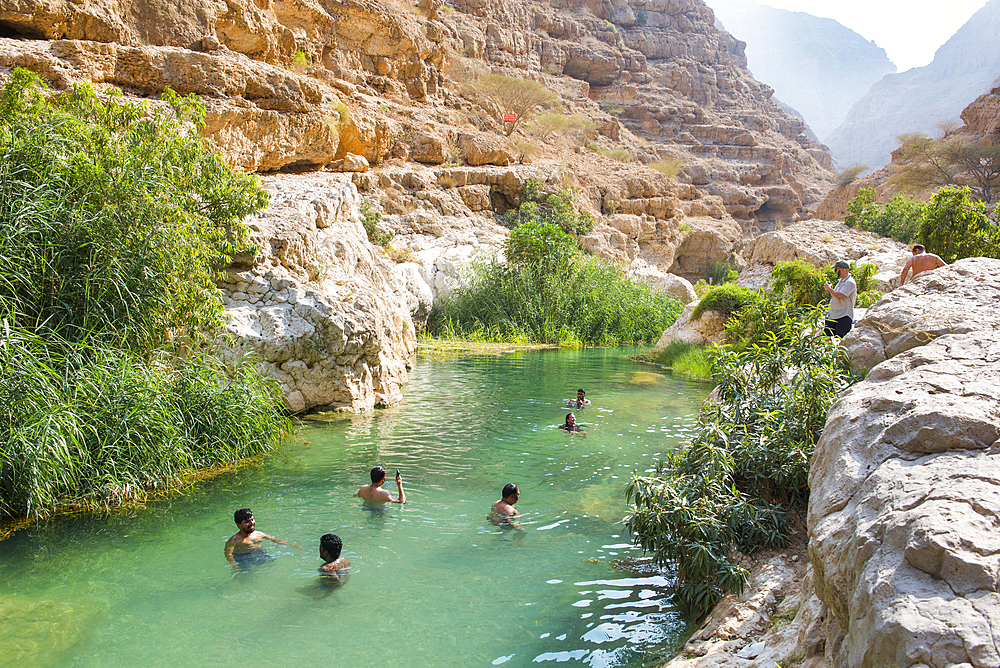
904,512
960,298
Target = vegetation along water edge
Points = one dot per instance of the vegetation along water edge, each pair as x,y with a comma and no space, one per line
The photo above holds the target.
115,221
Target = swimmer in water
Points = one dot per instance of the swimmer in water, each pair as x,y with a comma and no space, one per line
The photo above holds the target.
244,549
503,511
571,426
580,401
374,495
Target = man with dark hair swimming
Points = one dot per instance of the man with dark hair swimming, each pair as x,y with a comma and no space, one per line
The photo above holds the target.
580,401
571,426
374,495
330,546
244,549
508,497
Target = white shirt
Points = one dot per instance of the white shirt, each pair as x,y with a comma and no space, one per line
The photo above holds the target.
843,307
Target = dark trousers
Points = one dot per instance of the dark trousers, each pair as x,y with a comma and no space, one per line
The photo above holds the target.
839,327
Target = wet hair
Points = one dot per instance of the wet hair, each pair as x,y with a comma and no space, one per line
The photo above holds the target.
510,489
332,545
568,416
242,515
581,390
918,247
378,473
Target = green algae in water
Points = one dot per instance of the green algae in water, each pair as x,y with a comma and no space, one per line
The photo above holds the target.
43,632
432,582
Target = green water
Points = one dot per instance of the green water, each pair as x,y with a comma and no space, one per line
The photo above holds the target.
433,583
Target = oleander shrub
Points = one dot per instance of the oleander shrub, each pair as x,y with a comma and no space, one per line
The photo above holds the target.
898,219
730,488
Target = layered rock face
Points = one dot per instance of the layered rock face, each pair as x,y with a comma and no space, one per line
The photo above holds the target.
302,85
905,482
816,65
965,67
320,306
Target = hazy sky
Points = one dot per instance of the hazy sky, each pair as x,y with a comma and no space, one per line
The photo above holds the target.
910,31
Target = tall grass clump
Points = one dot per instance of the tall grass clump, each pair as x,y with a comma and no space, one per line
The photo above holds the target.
85,426
730,489
685,358
546,291
115,221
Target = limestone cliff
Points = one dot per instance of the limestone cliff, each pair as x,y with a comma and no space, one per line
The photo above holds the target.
319,306
919,99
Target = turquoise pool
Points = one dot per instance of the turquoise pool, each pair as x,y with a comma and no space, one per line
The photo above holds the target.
433,583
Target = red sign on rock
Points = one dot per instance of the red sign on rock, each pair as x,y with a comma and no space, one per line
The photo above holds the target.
509,118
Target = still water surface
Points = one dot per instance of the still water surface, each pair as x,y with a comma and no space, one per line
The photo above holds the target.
432,583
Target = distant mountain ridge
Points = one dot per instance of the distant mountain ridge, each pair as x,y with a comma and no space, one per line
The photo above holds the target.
966,66
815,65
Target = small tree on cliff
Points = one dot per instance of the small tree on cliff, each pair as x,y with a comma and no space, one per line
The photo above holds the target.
923,163
521,97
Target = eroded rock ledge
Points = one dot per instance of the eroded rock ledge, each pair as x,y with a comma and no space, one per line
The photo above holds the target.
320,305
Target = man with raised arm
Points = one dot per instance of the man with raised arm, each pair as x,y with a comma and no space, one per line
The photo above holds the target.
840,314
920,261
374,495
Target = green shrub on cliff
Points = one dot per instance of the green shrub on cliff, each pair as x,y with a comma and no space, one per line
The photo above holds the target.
956,226
899,219
115,220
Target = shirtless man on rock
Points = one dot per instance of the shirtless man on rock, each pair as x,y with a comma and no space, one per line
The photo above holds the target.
921,261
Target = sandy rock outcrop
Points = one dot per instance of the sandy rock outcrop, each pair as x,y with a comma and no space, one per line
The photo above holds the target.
904,508
320,306
957,299
706,330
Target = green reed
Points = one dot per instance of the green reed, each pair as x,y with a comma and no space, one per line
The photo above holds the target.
582,301
84,425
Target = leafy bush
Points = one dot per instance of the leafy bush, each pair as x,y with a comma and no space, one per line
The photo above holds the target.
115,219
799,281
900,219
724,299
370,218
558,209
955,226
729,489
640,18
720,273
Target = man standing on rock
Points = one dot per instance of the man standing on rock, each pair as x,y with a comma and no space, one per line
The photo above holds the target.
840,315
920,261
